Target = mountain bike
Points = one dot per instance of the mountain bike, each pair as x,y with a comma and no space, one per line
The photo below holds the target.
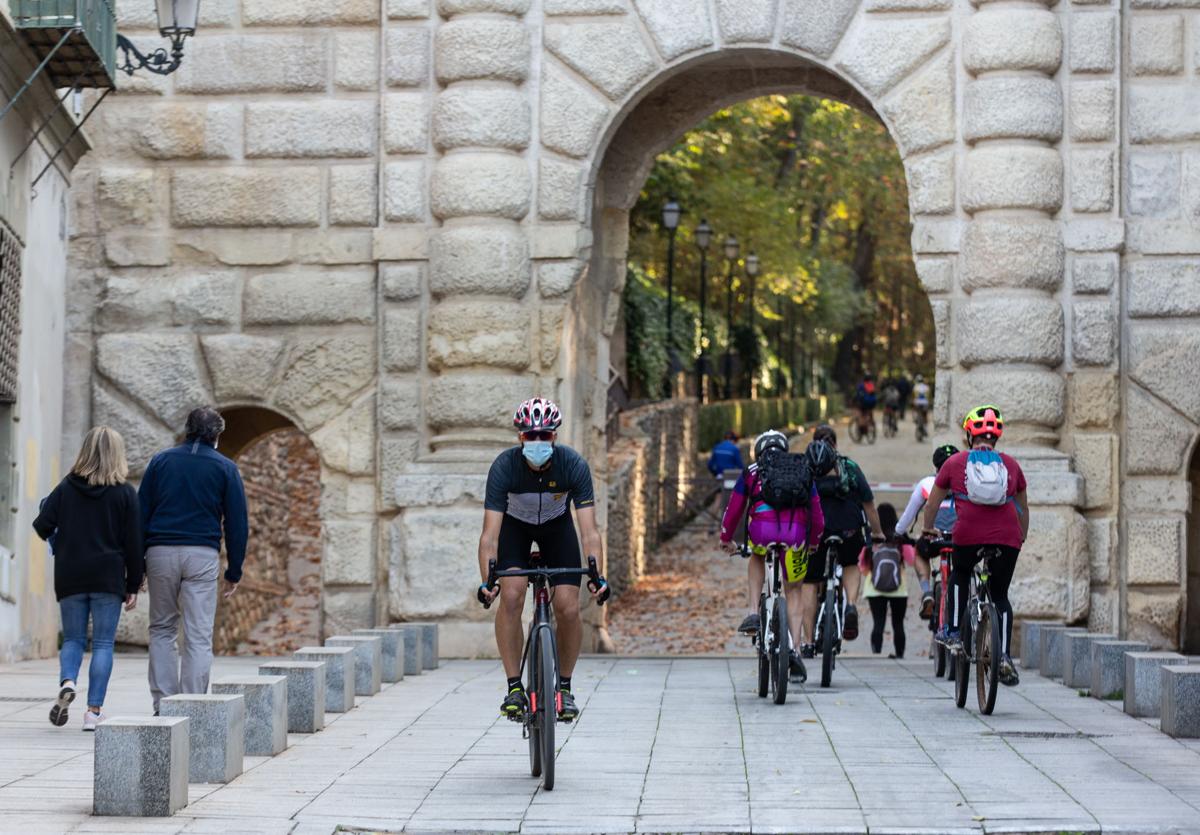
773,642
831,615
981,641
862,427
891,426
539,664
919,418
939,569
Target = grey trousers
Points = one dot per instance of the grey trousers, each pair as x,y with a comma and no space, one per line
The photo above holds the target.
183,583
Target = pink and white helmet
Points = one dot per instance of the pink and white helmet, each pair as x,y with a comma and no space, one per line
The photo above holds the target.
537,413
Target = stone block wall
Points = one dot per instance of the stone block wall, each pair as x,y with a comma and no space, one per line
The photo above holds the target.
392,221
653,483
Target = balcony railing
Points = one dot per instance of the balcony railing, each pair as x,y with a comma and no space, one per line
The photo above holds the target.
78,36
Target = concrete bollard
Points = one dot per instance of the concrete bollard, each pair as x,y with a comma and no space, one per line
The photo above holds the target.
266,711
305,693
368,661
392,647
413,661
429,643
1031,655
1143,681
1077,657
141,766
216,734
1050,644
339,674
1108,667
1181,700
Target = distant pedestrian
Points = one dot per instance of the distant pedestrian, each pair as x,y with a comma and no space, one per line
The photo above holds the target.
905,387
93,518
725,455
189,494
883,582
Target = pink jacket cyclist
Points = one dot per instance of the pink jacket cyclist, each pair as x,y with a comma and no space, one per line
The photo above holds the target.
793,527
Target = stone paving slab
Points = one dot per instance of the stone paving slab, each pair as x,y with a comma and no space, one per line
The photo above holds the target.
662,745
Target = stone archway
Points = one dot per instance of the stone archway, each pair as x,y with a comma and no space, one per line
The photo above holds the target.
278,607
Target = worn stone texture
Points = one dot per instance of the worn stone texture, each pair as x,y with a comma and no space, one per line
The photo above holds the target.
160,371
404,190
1163,113
1154,549
1093,332
241,366
1164,288
921,112
473,399
610,55
482,48
422,565
816,27
1013,177
1153,183
353,197
1007,38
570,116
1093,42
466,117
481,184
1017,252
143,435
1096,460
484,260
347,445
289,196
1164,359
1156,45
309,298
311,129
1092,180
1036,334
560,185
401,339
1093,111
1153,617
399,404
886,51
931,182
466,333
406,123
1156,436
356,60
1013,107
243,63
746,20
407,62
401,282
1032,396
1093,275
323,373
308,12
677,26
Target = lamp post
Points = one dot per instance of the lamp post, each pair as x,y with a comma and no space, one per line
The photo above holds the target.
732,249
177,21
752,272
670,220
703,235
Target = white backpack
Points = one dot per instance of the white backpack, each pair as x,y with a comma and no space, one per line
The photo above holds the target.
987,478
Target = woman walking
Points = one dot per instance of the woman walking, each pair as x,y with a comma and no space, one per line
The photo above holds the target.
884,586
99,562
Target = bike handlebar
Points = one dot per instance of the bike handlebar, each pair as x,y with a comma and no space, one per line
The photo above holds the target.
596,582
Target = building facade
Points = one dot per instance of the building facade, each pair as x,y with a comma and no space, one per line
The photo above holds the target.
34,237
385,223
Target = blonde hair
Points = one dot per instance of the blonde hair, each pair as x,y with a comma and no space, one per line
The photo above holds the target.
102,457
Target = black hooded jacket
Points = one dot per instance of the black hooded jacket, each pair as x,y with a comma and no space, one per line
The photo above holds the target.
98,539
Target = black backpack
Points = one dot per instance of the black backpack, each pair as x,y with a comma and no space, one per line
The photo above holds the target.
784,480
886,567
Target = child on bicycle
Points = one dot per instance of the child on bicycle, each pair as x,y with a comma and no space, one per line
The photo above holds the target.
794,519
882,568
992,514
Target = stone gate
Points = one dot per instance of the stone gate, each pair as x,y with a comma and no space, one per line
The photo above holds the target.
392,220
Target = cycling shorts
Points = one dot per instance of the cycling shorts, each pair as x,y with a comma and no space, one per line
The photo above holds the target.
795,561
556,541
846,555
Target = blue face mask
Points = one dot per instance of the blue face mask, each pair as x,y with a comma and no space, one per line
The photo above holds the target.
537,453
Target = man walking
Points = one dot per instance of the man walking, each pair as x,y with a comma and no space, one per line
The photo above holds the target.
188,494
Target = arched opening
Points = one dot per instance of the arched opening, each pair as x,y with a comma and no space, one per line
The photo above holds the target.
1191,634
793,342
277,608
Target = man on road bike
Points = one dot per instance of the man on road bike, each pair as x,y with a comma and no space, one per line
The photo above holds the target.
945,521
799,528
992,514
921,399
528,489
848,505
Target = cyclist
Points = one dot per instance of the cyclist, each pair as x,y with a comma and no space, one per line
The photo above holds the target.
891,405
528,489
945,521
865,398
798,527
920,395
848,505
992,513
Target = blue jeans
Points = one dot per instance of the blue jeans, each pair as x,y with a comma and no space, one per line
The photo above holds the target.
105,611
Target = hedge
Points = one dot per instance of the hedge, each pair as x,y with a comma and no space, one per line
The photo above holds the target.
749,417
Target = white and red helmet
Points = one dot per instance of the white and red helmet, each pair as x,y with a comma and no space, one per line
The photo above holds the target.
537,413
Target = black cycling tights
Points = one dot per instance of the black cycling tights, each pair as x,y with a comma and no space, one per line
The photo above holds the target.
879,612
965,558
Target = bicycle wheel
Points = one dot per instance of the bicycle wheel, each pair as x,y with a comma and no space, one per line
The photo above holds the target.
531,720
856,433
935,649
871,432
962,671
764,660
828,638
547,710
987,659
780,651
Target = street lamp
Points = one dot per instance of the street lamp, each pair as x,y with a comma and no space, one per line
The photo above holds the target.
703,236
752,272
732,250
177,21
670,221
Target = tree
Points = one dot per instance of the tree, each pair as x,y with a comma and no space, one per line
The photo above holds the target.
817,189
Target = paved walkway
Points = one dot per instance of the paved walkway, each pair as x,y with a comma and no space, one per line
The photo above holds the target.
678,745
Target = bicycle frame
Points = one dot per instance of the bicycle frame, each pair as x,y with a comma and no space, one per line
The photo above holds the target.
772,588
833,580
542,628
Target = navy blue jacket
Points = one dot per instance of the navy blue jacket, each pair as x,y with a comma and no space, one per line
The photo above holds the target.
186,494
725,456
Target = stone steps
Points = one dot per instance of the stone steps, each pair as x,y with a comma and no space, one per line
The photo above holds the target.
143,764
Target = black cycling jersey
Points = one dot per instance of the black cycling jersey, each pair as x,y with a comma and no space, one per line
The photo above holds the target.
537,497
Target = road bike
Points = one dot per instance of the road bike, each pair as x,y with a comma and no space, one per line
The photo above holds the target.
831,615
919,418
539,664
981,640
773,641
941,550
862,427
891,426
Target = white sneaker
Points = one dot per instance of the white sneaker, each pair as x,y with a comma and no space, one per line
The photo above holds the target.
66,695
91,720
